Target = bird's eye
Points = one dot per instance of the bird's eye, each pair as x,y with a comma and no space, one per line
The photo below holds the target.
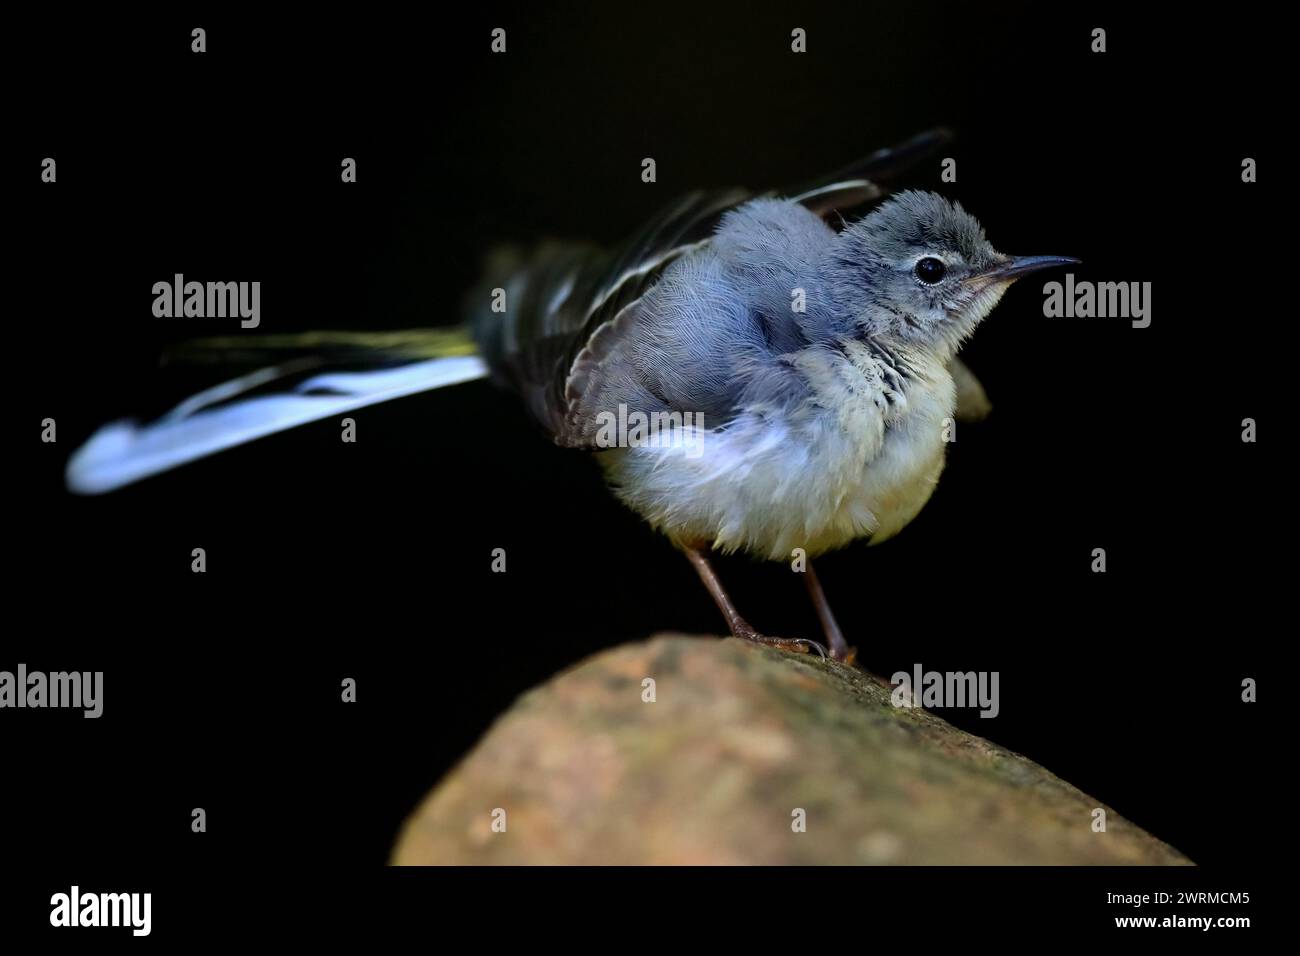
930,270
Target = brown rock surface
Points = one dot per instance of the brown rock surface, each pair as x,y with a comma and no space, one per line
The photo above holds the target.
736,740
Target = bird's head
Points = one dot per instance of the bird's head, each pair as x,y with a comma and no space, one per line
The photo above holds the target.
918,269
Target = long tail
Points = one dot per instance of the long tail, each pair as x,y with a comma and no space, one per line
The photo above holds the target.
227,415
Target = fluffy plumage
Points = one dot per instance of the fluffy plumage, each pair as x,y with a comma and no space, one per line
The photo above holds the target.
815,366
819,364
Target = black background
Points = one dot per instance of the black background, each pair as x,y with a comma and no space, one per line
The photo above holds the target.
372,560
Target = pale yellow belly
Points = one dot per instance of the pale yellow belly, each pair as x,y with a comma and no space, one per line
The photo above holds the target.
757,490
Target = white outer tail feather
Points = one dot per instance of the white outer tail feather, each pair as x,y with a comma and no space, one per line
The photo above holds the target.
124,451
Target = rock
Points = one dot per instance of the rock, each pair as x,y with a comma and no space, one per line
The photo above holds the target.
738,739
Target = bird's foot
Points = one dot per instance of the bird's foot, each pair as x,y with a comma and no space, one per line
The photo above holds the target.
798,645
839,648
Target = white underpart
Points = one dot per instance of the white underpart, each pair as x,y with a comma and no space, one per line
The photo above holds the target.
814,479
125,451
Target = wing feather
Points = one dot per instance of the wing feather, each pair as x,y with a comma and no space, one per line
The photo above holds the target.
568,303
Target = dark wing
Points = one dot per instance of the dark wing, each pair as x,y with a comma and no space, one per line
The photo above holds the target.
859,182
567,305
561,294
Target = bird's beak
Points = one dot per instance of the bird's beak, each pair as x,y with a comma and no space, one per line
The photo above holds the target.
1016,266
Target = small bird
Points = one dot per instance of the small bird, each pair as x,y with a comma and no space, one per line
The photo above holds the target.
799,371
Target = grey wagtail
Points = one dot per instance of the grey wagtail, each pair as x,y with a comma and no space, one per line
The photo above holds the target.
751,377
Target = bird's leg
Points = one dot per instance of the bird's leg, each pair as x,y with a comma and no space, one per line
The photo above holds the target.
840,649
738,625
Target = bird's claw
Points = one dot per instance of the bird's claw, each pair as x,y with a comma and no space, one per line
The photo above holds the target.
813,644
799,645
